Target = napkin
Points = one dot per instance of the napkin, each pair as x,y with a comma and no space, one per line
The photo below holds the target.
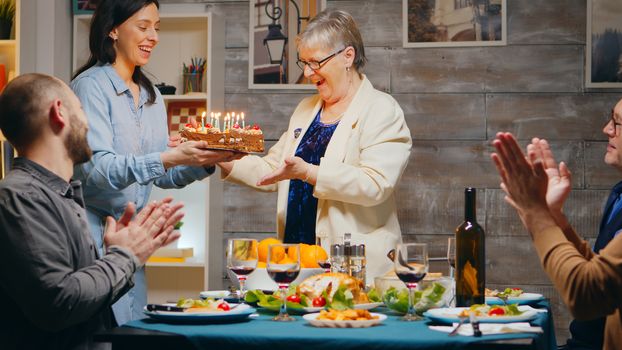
491,328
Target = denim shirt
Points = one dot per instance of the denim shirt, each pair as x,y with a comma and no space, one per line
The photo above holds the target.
126,141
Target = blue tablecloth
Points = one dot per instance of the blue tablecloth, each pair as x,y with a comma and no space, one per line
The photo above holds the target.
262,333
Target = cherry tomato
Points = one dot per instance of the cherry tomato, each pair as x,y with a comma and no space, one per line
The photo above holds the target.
294,298
319,302
496,311
516,289
224,306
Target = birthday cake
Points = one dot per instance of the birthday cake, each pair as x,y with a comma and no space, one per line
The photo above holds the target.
231,137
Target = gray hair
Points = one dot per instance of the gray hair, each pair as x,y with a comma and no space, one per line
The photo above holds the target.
332,30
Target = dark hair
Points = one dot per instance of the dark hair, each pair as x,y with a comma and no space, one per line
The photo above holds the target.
23,106
109,15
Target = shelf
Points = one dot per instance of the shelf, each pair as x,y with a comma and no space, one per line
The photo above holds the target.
188,263
7,43
187,97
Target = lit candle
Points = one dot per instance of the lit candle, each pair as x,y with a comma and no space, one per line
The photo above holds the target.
203,121
218,121
243,120
211,118
237,120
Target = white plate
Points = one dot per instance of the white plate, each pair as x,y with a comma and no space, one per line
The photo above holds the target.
523,299
214,294
312,319
367,306
239,313
450,315
292,310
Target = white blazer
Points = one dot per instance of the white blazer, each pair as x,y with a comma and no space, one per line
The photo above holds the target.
357,176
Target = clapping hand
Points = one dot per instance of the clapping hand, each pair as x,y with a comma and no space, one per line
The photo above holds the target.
151,229
524,179
293,168
559,176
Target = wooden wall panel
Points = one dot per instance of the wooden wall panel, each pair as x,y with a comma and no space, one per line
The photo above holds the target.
444,117
236,71
376,69
597,173
380,22
550,116
583,209
451,164
552,22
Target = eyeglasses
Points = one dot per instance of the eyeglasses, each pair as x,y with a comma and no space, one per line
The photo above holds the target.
316,65
612,120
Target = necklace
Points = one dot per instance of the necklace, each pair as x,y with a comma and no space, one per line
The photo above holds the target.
331,121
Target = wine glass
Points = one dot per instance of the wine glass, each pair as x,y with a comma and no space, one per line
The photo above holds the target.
411,266
283,267
451,255
323,263
451,259
242,259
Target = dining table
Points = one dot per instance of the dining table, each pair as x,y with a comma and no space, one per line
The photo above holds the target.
259,332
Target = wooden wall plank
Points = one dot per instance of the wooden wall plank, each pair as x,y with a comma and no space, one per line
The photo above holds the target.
380,22
487,69
550,116
451,164
443,117
552,22
597,173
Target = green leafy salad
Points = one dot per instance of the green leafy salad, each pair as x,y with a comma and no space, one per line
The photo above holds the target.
428,298
342,299
492,310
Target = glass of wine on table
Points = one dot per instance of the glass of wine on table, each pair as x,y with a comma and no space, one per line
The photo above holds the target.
283,267
242,259
323,260
411,266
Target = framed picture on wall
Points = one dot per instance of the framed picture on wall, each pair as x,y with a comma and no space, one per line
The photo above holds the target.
603,50
272,54
443,23
84,6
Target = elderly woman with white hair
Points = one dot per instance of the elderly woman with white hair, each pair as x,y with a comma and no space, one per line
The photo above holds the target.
338,164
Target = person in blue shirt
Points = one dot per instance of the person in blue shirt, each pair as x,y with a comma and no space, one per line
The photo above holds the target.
128,127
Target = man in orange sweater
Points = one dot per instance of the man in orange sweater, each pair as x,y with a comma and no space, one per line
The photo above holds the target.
590,284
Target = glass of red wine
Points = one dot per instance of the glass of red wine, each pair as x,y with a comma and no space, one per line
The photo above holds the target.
323,261
242,259
411,266
283,266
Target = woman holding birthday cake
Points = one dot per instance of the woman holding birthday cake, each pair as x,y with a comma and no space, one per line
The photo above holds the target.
338,164
128,130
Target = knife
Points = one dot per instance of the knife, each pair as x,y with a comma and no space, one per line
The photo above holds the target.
160,307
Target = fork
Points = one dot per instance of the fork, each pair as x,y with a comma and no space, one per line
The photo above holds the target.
457,327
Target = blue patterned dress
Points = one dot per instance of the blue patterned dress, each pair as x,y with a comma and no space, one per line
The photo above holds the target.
301,205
